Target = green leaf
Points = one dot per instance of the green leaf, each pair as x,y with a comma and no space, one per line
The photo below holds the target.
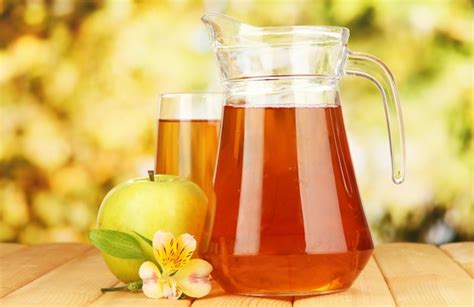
116,243
148,241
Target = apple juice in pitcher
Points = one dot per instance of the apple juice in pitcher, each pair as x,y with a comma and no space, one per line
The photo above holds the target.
296,185
288,215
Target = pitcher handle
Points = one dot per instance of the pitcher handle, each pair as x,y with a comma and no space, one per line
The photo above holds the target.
368,66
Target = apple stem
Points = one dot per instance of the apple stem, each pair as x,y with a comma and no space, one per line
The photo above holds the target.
151,175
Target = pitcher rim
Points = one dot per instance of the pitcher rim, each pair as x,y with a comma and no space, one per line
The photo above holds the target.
338,34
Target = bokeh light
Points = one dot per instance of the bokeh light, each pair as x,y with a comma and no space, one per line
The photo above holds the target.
79,83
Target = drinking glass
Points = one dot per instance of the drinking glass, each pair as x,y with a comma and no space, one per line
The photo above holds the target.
187,141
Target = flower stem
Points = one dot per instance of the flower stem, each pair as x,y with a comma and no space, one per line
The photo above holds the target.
114,289
135,286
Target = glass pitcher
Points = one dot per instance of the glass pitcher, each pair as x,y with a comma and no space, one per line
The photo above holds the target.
288,216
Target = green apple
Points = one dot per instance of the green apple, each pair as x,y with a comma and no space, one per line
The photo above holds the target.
169,203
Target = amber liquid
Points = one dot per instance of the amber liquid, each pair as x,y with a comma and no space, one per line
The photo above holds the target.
188,148
288,214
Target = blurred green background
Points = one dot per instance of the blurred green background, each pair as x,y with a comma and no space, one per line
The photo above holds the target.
79,82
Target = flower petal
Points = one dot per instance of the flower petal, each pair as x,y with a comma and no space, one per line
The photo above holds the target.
193,278
162,238
171,253
163,245
150,276
170,289
185,247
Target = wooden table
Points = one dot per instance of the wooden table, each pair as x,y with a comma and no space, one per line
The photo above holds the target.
399,274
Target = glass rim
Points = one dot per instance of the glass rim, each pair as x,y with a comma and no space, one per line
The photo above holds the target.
190,94
190,105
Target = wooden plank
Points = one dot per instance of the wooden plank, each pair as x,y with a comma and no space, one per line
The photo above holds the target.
135,299
463,254
369,289
218,297
423,275
8,248
76,283
25,265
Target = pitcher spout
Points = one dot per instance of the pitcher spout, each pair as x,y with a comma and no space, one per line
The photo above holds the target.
224,30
